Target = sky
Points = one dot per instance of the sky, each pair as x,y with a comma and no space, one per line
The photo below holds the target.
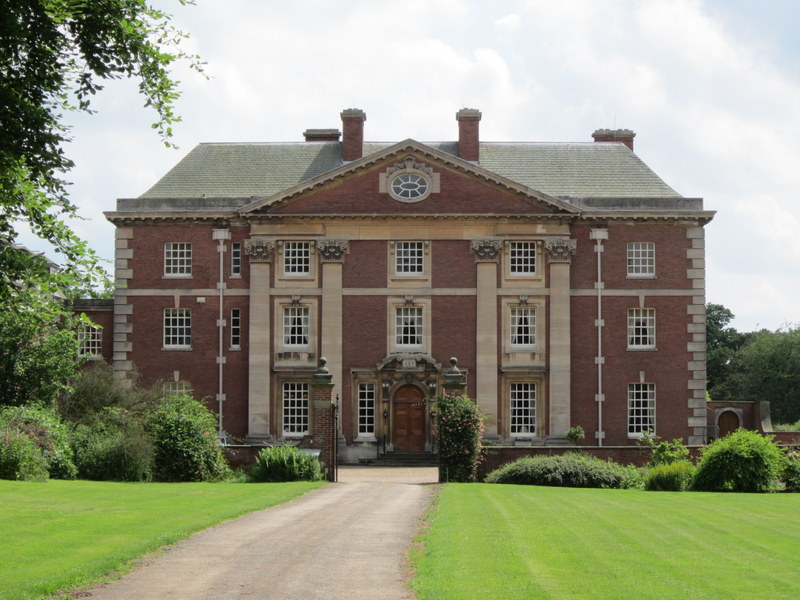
711,88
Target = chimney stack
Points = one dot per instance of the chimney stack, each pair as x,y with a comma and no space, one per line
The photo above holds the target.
352,133
468,138
322,135
622,136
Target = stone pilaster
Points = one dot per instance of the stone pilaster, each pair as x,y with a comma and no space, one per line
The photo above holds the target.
332,254
323,419
260,253
487,253
560,254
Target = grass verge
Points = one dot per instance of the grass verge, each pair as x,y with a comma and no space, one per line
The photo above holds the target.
506,541
65,534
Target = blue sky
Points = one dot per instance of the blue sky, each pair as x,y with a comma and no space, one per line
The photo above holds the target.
711,87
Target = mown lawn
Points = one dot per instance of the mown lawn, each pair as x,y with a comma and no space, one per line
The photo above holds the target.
64,534
504,541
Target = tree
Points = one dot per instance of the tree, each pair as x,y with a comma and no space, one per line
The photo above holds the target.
54,54
722,342
767,368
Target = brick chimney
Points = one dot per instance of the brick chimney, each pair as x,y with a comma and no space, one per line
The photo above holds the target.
353,133
322,135
623,136
468,138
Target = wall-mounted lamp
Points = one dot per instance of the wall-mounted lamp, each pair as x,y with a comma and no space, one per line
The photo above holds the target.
385,414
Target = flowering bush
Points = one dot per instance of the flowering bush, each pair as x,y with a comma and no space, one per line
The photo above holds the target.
459,429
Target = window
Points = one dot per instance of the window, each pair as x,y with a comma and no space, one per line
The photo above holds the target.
174,389
523,326
641,328
366,409
236,259
236,328
522,258
295,408
177,328
91,342
523,409
409,187
641,259
409,257
641,408
296,258
408,326
295,325
177,259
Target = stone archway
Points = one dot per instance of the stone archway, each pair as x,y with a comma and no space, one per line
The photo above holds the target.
408,419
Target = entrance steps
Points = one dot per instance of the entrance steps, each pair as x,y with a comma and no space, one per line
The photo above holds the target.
406,459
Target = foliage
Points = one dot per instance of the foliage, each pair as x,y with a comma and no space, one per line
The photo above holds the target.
567,470
664,452
38,350
722,342
68,534
285,463
518,543
53,59
767,368
186,445
791,472
114,447
97,388
459,428
20,459
576,434
743,461
46,435
786,426
674,476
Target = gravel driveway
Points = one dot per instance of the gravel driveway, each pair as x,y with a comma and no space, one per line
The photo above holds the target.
346,540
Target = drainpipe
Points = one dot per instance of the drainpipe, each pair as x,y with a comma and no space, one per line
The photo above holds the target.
221,235
598,235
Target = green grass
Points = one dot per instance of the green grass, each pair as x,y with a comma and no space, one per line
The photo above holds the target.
65,534
506,541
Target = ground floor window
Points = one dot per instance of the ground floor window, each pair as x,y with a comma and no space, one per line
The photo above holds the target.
175,389
366,409
295,408
522,396
641,408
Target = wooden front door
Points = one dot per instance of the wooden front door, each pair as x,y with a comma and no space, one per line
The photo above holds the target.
728,423
408,417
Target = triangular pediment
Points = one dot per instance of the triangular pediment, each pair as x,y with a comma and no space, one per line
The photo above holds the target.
409,178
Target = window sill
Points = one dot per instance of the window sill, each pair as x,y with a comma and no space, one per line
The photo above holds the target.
641,277
177,276
176,348
642,348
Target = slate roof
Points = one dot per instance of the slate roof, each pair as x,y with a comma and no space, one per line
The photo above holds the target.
573,172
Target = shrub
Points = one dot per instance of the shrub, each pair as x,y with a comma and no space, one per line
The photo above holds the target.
20,459
50,438
791,472
670,477
664,452
115,447
185,441
459,427
568,470
97,387
743,461
576,434
285,463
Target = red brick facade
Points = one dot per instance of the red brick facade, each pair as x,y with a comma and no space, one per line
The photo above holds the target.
478,266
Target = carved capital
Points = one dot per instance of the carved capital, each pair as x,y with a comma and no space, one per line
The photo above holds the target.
259,251
333,251
561,251
487,250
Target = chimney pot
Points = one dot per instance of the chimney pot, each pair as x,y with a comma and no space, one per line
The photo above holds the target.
468,134
352,133
622,136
